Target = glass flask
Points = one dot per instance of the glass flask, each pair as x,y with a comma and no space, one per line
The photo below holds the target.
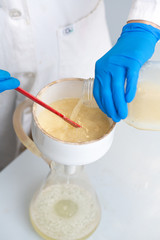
144,110
66,206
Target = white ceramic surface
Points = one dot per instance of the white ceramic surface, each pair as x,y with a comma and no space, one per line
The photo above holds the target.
64,152
126,180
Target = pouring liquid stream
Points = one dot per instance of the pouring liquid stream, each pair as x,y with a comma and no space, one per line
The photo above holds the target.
86,98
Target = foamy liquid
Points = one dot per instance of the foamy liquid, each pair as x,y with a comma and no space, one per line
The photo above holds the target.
94,122
64,212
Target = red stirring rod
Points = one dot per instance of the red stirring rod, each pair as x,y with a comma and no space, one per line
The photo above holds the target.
33,98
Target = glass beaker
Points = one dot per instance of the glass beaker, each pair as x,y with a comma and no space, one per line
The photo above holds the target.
65,207
144,110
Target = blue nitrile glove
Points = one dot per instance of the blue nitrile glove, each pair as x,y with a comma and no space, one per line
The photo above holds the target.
7,82
123,62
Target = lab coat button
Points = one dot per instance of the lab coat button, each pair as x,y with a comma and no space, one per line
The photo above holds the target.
68,30
14,13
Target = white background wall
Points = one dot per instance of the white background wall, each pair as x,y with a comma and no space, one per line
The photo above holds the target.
116,13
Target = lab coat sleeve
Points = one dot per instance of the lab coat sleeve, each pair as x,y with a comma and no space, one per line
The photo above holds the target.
148,10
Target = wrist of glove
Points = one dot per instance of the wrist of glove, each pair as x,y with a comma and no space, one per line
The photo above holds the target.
7,82
116,73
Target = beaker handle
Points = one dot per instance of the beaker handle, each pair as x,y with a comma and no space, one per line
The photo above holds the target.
23,137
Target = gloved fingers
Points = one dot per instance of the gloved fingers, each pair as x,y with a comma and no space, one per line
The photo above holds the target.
4,75
8,84
96,93
118,93
107,98
131,87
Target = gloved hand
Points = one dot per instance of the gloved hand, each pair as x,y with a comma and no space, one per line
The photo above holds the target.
116,73
7,82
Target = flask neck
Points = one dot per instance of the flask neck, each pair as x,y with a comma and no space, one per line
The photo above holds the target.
66,169
70,170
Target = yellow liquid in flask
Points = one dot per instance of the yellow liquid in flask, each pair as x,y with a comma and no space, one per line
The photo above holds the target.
64,212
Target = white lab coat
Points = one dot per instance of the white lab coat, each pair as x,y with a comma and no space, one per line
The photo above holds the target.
42,41
148,10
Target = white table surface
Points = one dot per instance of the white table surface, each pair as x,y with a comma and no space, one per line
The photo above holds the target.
126,179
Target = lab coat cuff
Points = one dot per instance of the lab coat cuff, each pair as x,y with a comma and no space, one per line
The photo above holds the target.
148,10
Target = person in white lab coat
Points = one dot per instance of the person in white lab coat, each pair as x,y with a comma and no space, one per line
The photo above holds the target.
42,41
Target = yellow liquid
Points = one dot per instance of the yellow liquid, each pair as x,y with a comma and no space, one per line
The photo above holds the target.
93,121
64,212
144,110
